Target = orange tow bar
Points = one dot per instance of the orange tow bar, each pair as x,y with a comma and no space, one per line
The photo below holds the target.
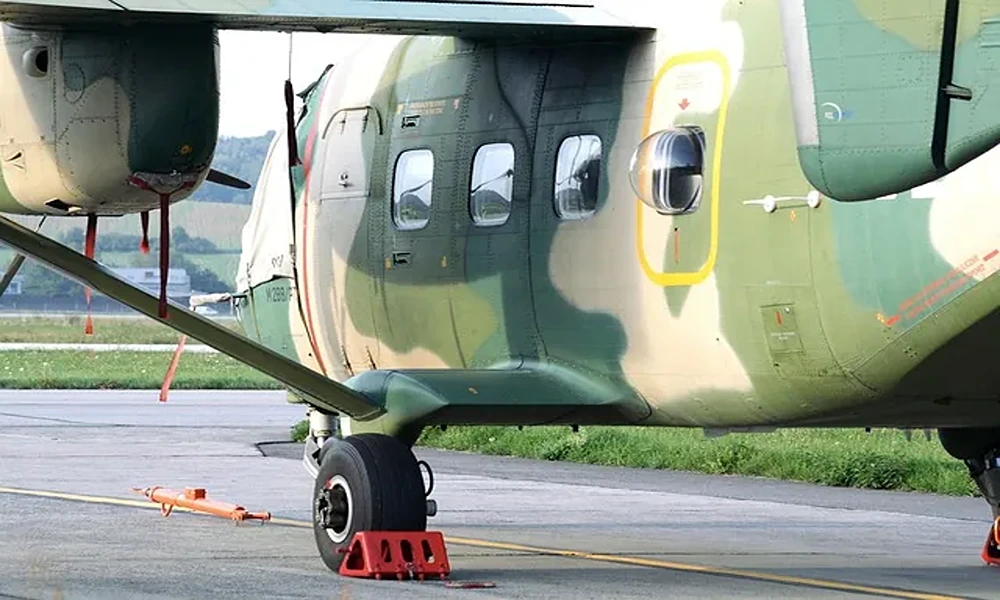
195,499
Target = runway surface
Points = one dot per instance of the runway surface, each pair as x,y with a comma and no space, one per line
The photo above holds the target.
71,528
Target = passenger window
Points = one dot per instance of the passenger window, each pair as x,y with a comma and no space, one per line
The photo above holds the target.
492,185
578,175
412,187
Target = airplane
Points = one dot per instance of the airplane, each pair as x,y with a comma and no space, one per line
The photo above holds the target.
736,215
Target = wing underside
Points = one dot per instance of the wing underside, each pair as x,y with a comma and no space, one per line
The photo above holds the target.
433,17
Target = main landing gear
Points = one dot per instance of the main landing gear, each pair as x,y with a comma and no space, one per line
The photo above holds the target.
979,449
366,482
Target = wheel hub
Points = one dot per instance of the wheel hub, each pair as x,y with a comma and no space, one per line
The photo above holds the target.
335,508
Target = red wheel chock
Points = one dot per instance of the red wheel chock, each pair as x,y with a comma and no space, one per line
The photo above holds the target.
402,554
991,551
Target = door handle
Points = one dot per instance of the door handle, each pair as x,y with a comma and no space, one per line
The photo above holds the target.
400,258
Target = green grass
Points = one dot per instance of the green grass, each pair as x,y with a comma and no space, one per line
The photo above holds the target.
300,430
107,330
882,459
124,370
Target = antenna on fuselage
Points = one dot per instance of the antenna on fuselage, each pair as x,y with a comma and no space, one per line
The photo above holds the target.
293,146
295,161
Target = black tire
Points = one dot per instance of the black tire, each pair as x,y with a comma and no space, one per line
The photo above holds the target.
366,482
969,443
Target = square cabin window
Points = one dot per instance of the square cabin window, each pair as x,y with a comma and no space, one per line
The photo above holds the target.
492,185
412,188
578,176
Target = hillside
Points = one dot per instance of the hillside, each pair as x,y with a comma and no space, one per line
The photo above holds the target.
220,223
241,157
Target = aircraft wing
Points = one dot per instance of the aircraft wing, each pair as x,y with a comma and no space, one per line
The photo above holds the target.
456,17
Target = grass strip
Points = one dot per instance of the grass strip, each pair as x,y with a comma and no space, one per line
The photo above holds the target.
86,369
882,459
107,330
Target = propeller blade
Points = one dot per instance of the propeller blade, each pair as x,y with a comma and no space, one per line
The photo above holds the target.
227,180
15,265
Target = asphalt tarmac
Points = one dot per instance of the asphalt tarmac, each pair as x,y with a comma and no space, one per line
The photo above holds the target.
70,526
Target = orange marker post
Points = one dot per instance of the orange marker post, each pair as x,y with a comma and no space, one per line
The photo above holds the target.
172,369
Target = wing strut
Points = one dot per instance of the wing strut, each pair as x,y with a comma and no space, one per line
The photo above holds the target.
320,391
15,264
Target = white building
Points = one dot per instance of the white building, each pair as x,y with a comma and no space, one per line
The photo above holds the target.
178,280
16,286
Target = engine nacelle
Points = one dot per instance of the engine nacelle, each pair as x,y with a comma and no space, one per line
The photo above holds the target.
82,113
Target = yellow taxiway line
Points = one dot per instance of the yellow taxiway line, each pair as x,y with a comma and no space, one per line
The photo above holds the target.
723,571
610,558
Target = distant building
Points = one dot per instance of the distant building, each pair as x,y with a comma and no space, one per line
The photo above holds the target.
178,281
16,287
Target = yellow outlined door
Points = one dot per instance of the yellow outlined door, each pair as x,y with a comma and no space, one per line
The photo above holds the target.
693,90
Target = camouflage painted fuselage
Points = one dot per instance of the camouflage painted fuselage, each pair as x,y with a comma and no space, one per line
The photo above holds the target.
857,314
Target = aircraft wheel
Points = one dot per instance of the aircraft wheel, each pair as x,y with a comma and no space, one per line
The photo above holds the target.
969,443
366,482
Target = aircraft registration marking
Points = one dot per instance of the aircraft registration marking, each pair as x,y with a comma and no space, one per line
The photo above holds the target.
592,556
663,278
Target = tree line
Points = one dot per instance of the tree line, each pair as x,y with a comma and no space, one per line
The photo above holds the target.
180,241
39,281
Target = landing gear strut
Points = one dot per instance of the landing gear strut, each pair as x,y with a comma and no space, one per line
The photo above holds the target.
323,426
979,449
366,482
986,473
